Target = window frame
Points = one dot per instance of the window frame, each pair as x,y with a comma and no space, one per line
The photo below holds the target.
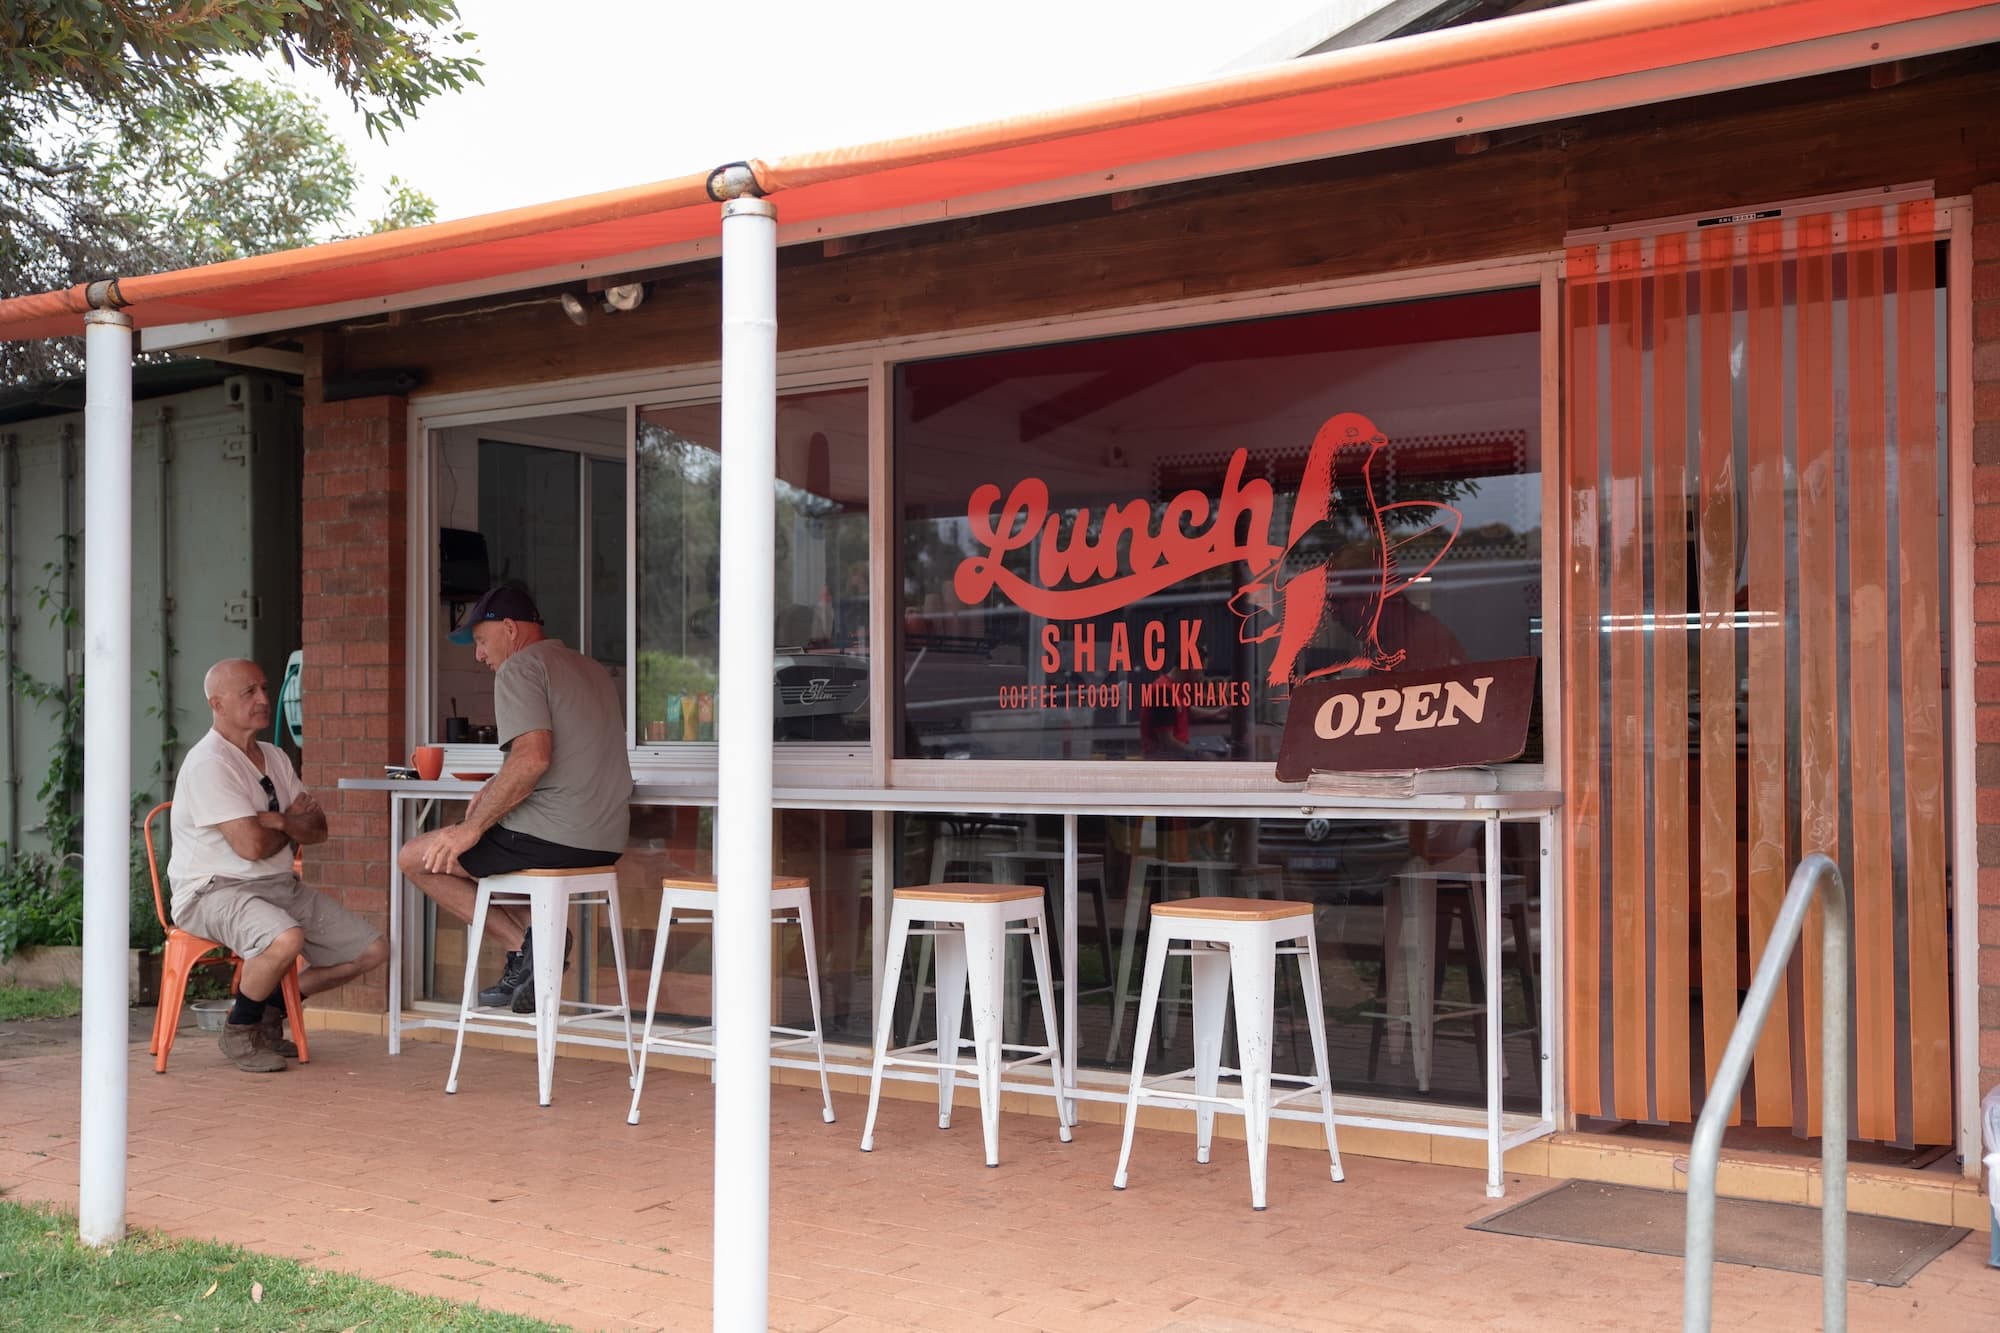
871,366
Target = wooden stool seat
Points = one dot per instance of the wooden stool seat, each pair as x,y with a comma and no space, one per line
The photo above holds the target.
1232,909
969,893
706,883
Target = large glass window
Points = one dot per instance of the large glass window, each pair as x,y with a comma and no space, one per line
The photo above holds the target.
539,504
1398,913
1133,547
821,558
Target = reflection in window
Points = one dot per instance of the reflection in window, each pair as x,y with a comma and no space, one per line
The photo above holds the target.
1398,920
831,849
539,504
821,559
1133,547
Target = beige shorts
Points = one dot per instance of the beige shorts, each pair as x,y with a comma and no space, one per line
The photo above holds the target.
247,914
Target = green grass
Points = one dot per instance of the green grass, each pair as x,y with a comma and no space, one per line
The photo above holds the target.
50,1281
64,1001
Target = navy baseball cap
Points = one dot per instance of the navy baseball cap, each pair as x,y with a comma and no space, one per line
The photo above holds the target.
501,603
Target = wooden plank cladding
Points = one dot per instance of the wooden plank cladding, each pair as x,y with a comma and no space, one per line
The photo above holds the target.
1672,908
1625,723
1793,543
1372,214
1922,591
1819,599
1584,1016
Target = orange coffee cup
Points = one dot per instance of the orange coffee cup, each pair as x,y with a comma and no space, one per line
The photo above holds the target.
428,760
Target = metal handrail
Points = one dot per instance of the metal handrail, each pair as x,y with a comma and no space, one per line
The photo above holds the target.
1698,1292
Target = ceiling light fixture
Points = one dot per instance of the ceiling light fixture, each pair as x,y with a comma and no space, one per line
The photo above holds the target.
625,296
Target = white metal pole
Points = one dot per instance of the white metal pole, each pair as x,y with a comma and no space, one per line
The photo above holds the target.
1496,1182
743,735
107,769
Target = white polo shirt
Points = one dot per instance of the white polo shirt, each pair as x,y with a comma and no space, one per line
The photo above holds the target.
218,783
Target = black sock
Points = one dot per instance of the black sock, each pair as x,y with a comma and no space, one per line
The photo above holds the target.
246,1010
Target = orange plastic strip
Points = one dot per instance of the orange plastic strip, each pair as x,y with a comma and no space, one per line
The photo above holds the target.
1819,599
1925,817
1716,557
1625,726
1580,647
1764,568
1873,884
1669,642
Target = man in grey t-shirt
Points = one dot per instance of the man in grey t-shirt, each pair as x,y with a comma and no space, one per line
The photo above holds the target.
561,800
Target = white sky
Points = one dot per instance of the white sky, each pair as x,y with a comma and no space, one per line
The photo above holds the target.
595,94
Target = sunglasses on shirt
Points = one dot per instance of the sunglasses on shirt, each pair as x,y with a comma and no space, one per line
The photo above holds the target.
270,790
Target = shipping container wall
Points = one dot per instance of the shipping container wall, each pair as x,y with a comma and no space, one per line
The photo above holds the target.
215,572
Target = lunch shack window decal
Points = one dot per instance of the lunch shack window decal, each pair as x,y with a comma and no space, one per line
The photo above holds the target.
1139,547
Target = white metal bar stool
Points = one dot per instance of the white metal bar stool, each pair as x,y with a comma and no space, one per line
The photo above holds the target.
692,901
1211,879
1231,942
970,854
969,924
548,896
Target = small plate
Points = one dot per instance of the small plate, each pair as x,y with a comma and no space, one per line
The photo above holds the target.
472,777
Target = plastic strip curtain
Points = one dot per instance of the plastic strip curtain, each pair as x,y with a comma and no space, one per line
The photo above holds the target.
1752,647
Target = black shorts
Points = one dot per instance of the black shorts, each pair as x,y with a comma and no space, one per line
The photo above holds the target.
501,851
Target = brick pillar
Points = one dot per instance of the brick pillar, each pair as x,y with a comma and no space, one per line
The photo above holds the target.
1986,607
354,487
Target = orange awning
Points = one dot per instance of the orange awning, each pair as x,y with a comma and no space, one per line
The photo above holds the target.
1218,125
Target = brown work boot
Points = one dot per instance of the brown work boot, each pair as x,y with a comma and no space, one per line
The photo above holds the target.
273,1030
244,1044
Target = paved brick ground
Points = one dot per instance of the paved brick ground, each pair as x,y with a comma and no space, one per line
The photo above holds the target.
360,1162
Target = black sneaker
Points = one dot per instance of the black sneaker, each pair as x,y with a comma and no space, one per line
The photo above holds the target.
523,1001
518,975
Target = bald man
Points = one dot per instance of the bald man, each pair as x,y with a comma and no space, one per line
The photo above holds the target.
240,813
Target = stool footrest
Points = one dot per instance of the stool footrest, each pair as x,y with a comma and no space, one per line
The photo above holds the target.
505,899
567,1011
702,1039
1304,1085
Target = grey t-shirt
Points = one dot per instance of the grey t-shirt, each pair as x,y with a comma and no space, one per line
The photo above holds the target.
583,800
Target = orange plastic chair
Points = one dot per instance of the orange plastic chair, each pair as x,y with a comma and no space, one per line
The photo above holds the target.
183,954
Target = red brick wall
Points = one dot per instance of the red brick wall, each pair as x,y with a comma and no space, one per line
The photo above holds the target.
1986,607
355,538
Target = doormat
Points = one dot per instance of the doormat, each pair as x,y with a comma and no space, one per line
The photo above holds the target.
1780,1142
1884,1251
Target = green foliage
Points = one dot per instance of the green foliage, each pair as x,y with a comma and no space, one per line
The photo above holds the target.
54,1281
662,674
61,59
146,931
18,1002
404,206
41,901
260,171
41,892
128,146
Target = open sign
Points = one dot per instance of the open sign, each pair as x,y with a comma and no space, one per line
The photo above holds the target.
1446,717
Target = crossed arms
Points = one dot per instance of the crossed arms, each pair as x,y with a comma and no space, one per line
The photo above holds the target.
268,832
